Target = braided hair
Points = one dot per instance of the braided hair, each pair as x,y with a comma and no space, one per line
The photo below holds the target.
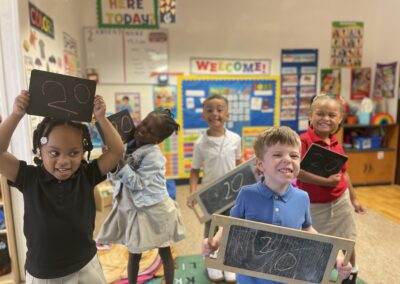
46,126
169,124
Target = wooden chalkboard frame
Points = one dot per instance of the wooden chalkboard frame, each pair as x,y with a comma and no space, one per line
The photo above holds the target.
226,222
200,209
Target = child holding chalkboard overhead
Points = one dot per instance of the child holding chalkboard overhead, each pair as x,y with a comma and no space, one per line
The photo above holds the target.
219,151
274,200
333,198
58,194
143,216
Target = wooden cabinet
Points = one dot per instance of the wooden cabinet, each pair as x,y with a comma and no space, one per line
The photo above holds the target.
375,165
8,234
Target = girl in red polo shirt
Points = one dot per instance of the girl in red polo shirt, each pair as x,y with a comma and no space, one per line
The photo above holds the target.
332,198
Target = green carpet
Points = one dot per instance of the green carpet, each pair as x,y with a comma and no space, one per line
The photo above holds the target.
190,270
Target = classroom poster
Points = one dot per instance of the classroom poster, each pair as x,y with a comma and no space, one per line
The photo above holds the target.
166,97
330,81
128,101
299,69
385,80
222,66
141,14
168,11
253,101
71,57
360,83
346,44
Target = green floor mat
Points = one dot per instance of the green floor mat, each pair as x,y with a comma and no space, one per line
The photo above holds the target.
190,270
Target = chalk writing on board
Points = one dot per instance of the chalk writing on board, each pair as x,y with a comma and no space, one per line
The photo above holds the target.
123,123
277,254
226,191
61,96
321,161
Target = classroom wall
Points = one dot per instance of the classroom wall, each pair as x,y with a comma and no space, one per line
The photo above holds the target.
260,29
232,29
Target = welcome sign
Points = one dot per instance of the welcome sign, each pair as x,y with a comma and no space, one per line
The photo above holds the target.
41,21
209,66
134,14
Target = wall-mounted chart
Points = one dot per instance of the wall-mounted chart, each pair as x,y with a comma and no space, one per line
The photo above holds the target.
126,56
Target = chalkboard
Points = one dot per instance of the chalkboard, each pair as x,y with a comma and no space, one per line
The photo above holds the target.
221,194
126,55
321,161
123,123
61,96
277,253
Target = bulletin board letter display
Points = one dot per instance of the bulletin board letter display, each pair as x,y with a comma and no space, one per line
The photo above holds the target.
120,56
253,101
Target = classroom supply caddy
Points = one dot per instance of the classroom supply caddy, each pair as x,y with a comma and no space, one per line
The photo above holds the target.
364,143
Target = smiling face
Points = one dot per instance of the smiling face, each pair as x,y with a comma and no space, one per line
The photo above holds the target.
215,113
149,130
280,164
325,116
63,152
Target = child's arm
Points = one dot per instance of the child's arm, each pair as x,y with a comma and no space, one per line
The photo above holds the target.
108,160
193,182
308,177
209,247
358,207
9,165
344,270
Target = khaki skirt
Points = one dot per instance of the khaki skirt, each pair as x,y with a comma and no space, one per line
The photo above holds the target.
142,228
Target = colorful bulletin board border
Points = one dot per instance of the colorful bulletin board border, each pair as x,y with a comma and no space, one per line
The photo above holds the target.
222,66
128,14
249,134
253,101
166,97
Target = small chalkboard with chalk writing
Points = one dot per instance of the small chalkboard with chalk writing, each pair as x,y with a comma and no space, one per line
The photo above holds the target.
221,194
123,123
276,253
61,96
321,161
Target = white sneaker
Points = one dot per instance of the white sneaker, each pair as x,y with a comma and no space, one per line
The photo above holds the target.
230,277
215,275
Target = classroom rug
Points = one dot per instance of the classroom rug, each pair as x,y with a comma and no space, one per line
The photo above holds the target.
190,270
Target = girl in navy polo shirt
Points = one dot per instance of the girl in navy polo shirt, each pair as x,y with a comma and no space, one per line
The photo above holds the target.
143,216
58,194
333,198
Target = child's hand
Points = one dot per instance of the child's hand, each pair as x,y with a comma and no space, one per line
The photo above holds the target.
99,109
209,247
334,179
343,270
191,204
21,103
358,207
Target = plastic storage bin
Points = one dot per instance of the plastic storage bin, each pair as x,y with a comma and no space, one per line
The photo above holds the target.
364,142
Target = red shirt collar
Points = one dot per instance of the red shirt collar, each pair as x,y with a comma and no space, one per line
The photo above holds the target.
316,139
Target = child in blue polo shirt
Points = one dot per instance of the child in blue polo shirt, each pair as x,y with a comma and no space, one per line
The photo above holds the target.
274,200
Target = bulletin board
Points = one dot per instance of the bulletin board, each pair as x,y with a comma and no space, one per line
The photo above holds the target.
253,101
126,56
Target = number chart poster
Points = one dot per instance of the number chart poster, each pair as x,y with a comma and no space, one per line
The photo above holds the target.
166,97
253,101
299,69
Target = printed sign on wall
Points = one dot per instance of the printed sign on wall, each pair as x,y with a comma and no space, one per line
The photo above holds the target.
210,66
347,43
128,14
41,21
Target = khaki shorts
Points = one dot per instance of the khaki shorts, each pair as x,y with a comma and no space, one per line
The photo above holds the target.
90,273
335,218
